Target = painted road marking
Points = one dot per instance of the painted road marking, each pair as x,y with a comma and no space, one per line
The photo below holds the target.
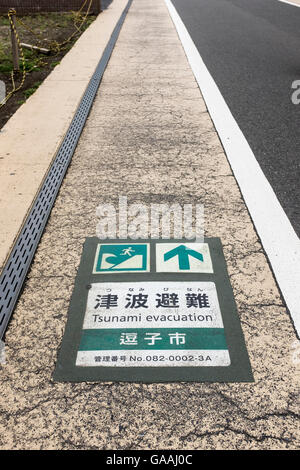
183,257
294,4
154,358
270,220
152,305
138,317
120,257
153,326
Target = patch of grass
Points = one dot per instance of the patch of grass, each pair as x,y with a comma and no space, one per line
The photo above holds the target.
41,22
57,27
6,66
54,64
33,61
4,21
3,53
27,93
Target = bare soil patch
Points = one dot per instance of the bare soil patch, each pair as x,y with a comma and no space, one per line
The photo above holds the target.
51,26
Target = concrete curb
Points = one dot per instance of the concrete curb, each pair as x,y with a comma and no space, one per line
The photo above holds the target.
30,139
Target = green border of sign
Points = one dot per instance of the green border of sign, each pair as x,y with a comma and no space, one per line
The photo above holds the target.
67,371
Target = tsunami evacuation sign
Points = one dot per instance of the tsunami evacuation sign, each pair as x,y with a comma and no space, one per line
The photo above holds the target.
170,323
153,311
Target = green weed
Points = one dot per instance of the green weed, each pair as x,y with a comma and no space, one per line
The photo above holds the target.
27,93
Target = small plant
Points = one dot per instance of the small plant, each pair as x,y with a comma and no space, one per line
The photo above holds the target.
45,30
6,66
4,21
54,64
30,91
5,60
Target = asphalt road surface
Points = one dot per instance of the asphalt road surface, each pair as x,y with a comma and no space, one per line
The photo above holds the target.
252,50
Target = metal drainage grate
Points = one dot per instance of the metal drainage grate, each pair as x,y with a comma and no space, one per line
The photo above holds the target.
17,266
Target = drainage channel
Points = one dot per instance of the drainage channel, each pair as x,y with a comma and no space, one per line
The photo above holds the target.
19,261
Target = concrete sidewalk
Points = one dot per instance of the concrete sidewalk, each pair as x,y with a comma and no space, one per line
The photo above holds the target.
149,137
44,120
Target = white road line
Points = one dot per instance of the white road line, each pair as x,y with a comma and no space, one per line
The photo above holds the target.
290,3
277,235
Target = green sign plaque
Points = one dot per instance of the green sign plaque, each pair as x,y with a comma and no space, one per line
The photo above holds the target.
153,311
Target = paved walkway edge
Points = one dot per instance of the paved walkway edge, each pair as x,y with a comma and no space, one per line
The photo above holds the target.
31,138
